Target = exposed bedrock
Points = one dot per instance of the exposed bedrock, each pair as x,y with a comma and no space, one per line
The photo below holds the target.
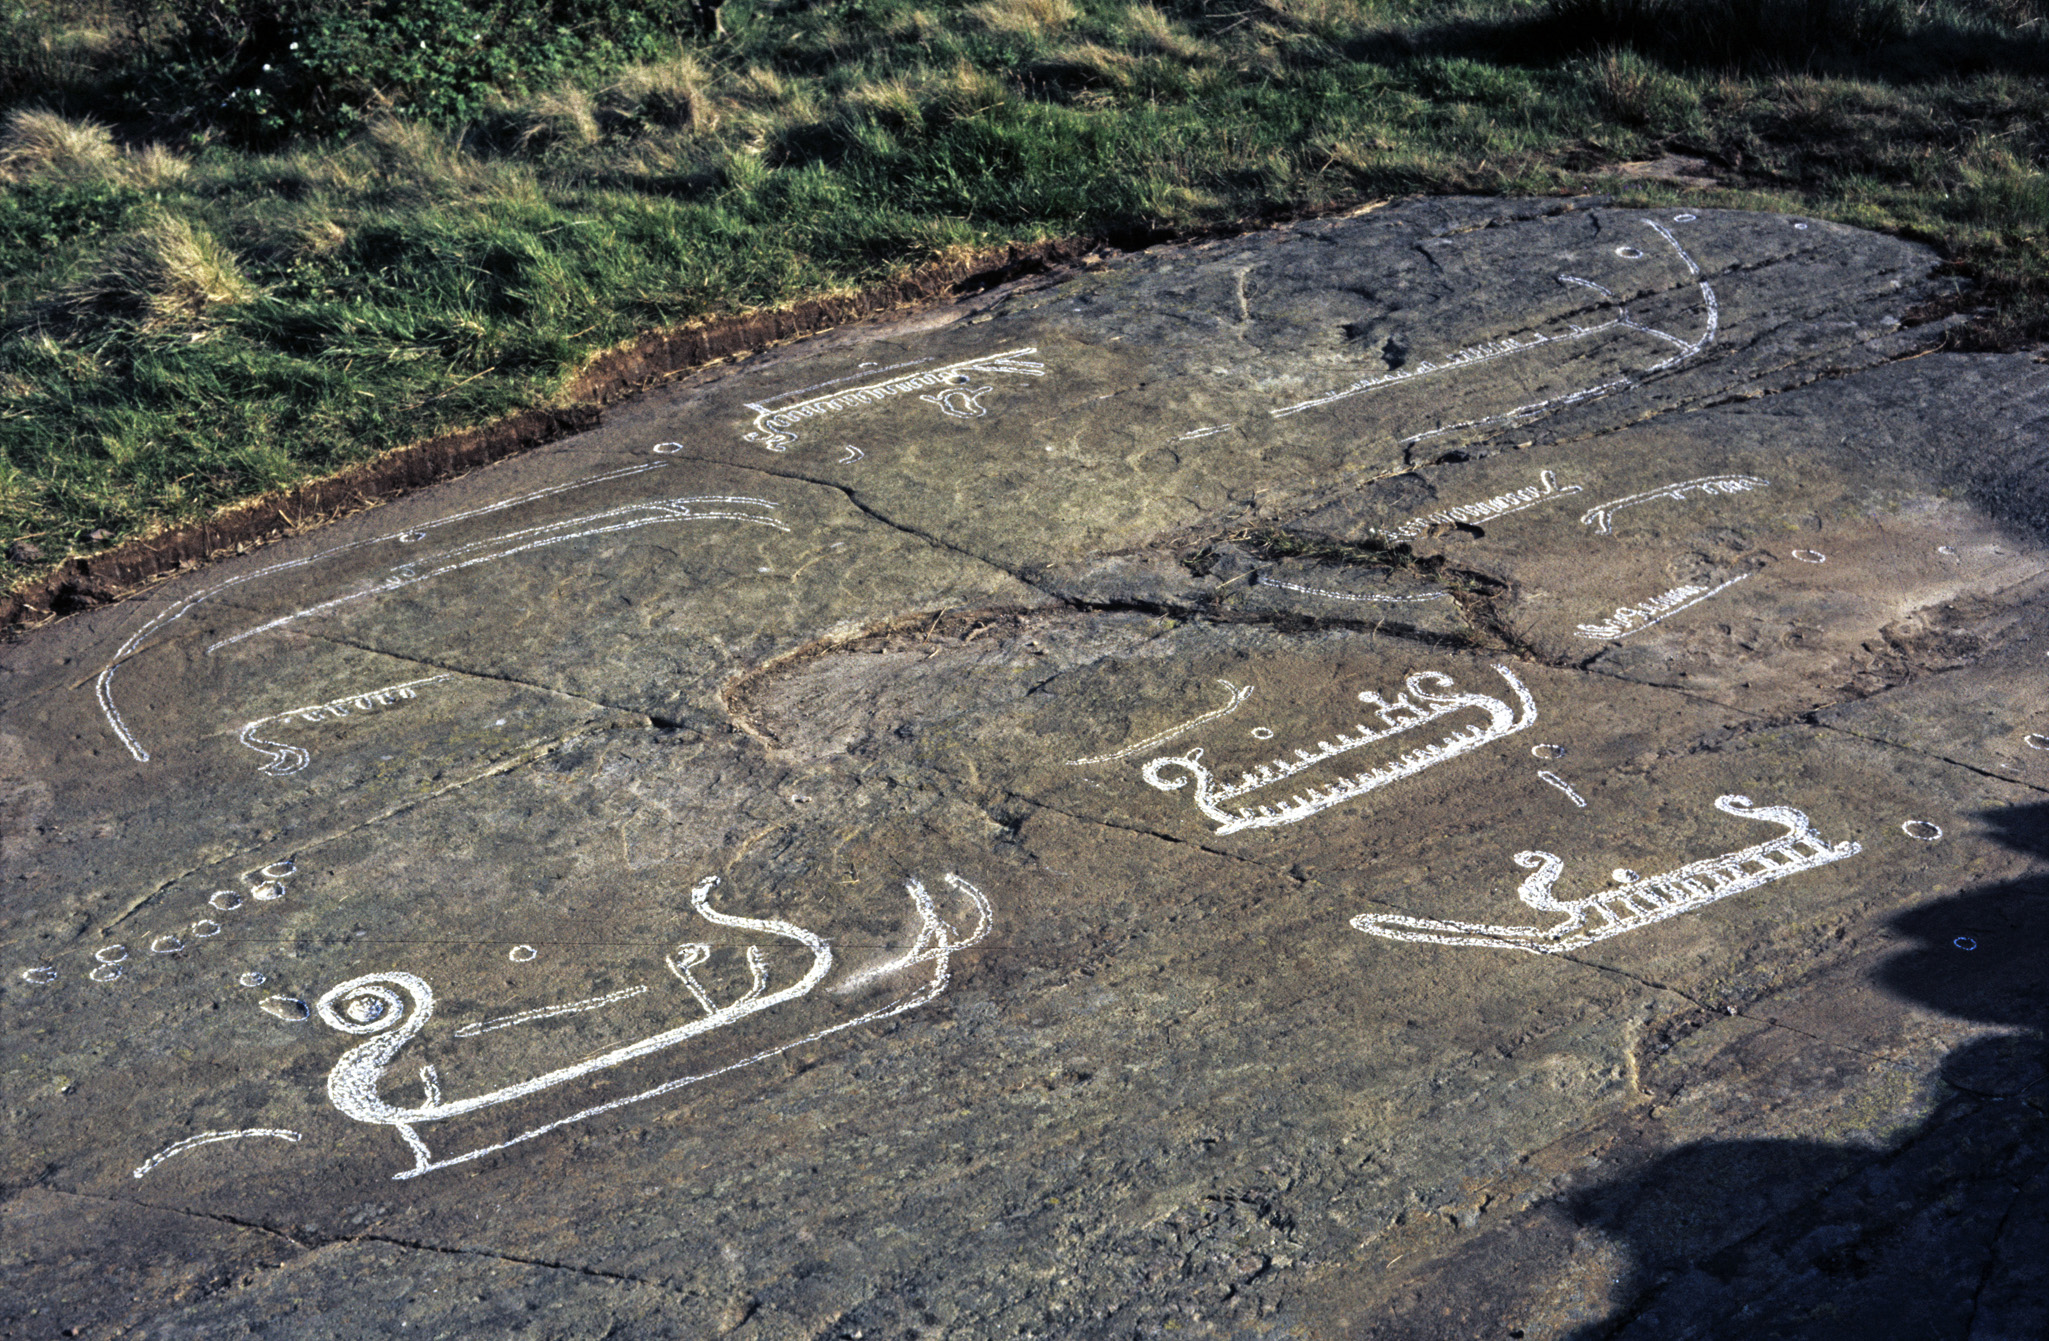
1473,770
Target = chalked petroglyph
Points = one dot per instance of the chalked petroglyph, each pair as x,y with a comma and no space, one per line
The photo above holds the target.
208,1138
1501,505
1629,619
1237,696
410,571
1525,342
1602,515
1430,696
289,759
988,591
1635,900
1263,580
395,1006
111,963
957,399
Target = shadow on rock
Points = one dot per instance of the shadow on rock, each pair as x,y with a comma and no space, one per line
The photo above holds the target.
1944,1235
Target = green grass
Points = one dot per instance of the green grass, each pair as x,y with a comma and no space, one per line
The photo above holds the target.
185,323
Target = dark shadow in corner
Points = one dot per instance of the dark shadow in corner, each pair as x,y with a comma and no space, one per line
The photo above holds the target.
1944,1235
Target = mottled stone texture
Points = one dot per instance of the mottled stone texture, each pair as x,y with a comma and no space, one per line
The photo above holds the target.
1106,706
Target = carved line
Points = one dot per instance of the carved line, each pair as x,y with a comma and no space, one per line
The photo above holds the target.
1601,516
1238,697
1489,350
476,1027
663,510
1501,505
1654,611
103,682
1562,785
770,424
1397,717
370,1005
1639,900
208,1138
1264,581
288,759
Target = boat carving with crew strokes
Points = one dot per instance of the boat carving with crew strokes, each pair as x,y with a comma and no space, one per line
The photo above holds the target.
1429,696
393,1007
1633,901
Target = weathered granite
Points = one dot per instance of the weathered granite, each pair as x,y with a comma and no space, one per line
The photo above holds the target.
1490,530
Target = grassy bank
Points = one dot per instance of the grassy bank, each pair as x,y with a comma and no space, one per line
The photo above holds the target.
199,303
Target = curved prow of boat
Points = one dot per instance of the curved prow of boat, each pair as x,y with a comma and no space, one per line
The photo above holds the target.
1633,901
394,1007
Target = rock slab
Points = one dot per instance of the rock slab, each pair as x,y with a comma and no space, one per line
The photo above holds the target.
1476,769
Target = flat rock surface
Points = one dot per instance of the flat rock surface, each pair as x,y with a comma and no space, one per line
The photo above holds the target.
1472,770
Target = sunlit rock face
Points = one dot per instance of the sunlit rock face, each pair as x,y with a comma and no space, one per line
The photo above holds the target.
1285,787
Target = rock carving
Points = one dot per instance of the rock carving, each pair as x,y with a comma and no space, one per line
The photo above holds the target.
1264,581
772,425
1629,619
1487,352
1551,779
394,1006
1238,697
1500,505
405,574
289,759
208,1138
1602,516
1434,698
1638,901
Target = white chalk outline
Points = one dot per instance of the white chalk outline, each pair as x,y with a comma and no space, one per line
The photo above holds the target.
208,1138
1640,900
1562,785
654,512
103,682
1654,611
1501,505
2033,736
1209,431
769,424
289,759
109,970
1398,716
1907,829
1532,410
1602,516
1487,351
1809,555
1238,697
475,1027
372,1007
1261,580
961,402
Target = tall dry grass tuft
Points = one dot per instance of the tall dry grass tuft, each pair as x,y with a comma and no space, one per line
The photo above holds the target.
1024,18
169,273
1152,30
891,102
562,118
419,159
154,167
37,143
673,94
